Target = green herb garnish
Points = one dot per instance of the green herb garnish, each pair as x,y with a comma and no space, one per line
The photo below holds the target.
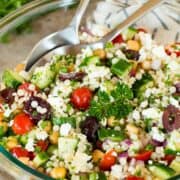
117,104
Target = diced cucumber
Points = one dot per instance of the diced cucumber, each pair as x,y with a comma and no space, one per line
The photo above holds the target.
62,120
23,139
111,134
97,176
84,177
161,171
11,79
121,68
90,60
129,33
51,149
40,159
140,86
175,165
66,146
170,151
43,76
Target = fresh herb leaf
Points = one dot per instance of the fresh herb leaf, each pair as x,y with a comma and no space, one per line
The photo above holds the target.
117,104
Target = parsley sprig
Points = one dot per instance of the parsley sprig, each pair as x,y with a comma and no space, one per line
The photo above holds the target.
118,103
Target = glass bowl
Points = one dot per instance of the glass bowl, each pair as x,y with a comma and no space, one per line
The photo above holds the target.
47,16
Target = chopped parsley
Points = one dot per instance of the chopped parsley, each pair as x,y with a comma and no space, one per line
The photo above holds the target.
118,103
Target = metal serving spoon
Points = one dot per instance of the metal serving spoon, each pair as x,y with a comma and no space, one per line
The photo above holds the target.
66,36
74,49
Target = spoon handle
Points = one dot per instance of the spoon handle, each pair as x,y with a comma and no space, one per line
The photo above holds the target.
79,13
145,8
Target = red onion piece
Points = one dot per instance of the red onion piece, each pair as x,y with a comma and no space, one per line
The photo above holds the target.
123,155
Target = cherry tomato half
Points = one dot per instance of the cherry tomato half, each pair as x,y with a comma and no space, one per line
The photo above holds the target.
81,98
118,39
19,152
134,178
29,88
43,145
144,156
22,124
108,160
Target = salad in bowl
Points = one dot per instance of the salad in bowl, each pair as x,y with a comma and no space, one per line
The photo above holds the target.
103,114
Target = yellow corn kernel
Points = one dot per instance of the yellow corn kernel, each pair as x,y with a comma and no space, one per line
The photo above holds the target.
101,53
58,172
54,137
97,155
19,67
133,45
132,129
11,142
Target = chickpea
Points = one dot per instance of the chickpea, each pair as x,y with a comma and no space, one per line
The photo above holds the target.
133,45
54,137
19,67
46,126
111,121
132,129
101,53
24,160
71,68
58,172
97,155
146,65
11,142
40,169
1,116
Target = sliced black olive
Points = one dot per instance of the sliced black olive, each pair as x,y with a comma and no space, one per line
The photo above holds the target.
78,76
7,95
89,127
33,111
131,54
171,118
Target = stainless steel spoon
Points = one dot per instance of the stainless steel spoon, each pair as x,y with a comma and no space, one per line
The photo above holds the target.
66,36
74,49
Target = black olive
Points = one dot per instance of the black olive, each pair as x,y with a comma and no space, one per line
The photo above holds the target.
131,54
177,86
171,118
89,127
7,95
78,76
34,114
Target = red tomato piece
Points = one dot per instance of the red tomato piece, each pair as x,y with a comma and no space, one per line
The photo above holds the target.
81,98
169,158
134,178
144,156
22,124
173,48
108,160
118,39
27,88
19,152
42,144
142,30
